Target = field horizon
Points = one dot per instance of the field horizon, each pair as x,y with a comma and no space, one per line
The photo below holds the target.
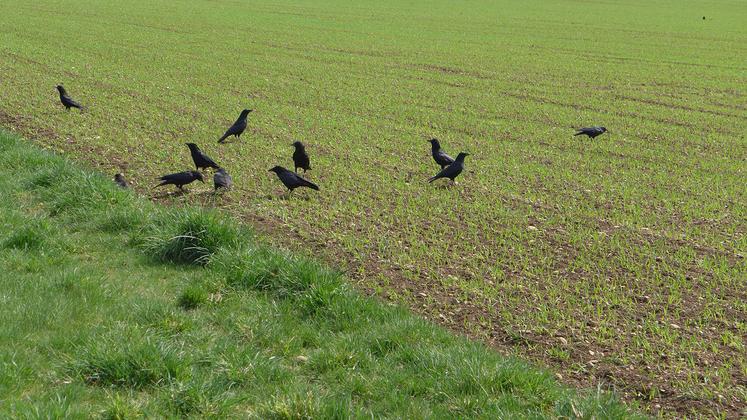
617,262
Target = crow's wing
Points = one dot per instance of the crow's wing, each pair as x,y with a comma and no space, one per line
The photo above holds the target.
238,127
443,158
301,159
450,171
441,174
177,178
207,161
292,180
222,180
289,179
69,102
309,184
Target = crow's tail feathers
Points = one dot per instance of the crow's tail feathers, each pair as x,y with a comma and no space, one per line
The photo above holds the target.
431,179
225,136
579,133
310,185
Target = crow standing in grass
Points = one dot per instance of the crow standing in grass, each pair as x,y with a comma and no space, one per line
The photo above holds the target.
201,159
292,180
591,131
238,127
300,158
439,155
221,179
120,180
453,170
180,179
66,100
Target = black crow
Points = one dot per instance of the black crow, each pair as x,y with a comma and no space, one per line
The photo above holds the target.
120,180
66,100
439,155
238,127
591,131
201,159
291,180
453,170
300,158
221,179
180,179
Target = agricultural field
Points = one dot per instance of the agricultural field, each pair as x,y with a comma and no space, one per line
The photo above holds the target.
616,262
117,308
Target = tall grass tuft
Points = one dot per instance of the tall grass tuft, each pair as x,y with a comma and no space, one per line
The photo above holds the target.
131,358
33,234
189,236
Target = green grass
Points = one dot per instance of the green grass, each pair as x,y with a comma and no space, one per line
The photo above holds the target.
123,320
617,261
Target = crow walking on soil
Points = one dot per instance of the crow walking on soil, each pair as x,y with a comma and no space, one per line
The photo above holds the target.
300,158
453,170
221,179
201,159
292,180
66,100
120,180
439,155
591,131
180,179
238,127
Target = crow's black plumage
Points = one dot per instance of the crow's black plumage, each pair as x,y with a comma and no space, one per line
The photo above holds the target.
300,157
591,131
66,100
439,155
238,127
453,170
180,179
120,180
292,180
201,159
221,179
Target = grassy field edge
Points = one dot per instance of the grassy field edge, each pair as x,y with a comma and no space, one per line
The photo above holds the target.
214,323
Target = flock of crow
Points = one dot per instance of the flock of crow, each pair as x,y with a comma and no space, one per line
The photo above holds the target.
450,167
